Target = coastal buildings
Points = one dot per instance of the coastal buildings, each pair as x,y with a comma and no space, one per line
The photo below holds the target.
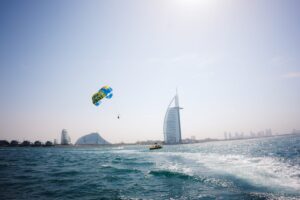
48,144
172,128
25,143
91,139
37,143
14,143
251,134
65,138
4,143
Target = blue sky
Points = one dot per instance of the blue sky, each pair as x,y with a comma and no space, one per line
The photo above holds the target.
235,63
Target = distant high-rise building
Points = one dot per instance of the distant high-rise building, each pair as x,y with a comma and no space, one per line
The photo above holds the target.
172,128
260,134
295,131
65,138
268,132
236,135
225,135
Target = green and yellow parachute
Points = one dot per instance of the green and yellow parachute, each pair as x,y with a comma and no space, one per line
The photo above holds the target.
105,91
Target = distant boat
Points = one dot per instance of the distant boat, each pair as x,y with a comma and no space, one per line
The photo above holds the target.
155,146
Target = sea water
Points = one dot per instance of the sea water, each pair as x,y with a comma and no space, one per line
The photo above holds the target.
265,168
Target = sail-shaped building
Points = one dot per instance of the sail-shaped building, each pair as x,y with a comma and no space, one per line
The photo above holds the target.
172,127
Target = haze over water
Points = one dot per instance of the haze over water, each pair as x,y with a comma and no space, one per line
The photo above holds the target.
235,63
266,168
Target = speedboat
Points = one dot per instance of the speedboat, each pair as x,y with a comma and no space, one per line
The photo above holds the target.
155,146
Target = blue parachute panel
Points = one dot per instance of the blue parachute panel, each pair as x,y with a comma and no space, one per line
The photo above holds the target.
109,96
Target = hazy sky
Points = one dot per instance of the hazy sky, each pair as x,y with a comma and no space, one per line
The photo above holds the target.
236,65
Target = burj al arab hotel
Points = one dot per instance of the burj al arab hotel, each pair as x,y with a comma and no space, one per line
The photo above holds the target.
172,128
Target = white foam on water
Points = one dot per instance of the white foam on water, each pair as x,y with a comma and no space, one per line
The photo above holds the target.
124,151
187,164
175,167
259,171
118,148
268,172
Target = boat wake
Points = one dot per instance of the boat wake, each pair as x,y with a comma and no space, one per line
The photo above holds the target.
265,172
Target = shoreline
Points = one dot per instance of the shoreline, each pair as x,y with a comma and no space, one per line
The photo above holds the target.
143,143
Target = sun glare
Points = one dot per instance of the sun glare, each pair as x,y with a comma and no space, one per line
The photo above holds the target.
196,2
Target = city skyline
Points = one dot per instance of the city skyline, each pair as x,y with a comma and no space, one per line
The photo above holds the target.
235,63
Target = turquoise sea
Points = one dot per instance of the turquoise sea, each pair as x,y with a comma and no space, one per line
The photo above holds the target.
266,168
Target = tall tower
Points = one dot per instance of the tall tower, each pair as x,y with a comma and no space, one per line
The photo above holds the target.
172,126
65,138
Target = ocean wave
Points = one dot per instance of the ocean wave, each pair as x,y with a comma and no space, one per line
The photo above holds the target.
268,196
261,171
117,148
170,174
65,173
268,169
125,151
269,172
116,170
